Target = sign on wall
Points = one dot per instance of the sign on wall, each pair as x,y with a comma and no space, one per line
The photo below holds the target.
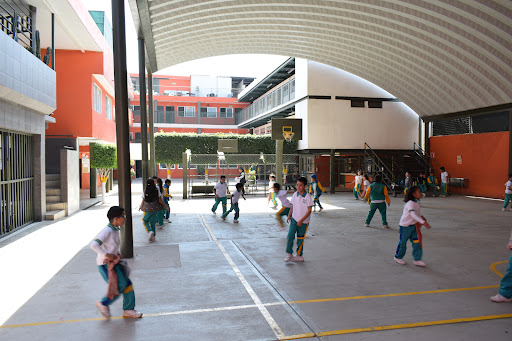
459,159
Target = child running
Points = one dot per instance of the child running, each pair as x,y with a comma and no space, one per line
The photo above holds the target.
234,202
285,203
364,187
221,191
106,245
505,293
316,190
298,218
150,205
433,183
271,193
161,214
508,193
357,184
410,225
167,196
377,196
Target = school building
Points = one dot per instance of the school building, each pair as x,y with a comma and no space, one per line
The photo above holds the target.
189,104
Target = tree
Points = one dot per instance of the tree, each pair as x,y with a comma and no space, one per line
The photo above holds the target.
103,158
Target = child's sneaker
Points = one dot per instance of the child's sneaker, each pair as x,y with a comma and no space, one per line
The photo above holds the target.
214,212
151,237
386,226
235,221
498,299
356,198
160,226
167,220
419,263
320,210
399,261
366,225
298,259
104,310
131,314
288,257
223,217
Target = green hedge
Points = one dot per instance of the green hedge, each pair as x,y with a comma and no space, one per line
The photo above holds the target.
170,146
103,156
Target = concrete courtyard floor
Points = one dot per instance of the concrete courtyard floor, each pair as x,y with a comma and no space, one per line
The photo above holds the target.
208,279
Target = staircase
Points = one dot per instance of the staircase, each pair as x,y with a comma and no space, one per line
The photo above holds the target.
55,209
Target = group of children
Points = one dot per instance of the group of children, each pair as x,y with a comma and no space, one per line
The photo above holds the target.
155,205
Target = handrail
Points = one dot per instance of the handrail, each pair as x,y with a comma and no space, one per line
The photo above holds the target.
424,156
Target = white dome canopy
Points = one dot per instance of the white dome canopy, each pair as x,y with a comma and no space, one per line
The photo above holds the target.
436,57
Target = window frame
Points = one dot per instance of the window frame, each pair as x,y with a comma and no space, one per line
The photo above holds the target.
98,96
225,112
208,112
108,107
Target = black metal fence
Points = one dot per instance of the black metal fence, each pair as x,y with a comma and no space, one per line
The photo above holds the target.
488,123
16,21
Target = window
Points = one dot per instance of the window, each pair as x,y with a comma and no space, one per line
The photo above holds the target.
160,114
186,111
137,138
357,103
226,112
169,114
164,166
286,93
292,89
97,99
209,112
374,104
108,109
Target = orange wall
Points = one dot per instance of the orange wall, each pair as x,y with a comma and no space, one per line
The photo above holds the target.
75,115
484,161
103,128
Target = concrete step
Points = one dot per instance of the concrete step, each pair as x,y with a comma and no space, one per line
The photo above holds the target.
55,215
52,177
52,192
52,198
55,206
53,184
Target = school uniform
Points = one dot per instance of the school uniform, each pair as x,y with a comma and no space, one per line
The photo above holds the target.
316,190
407,184
358,180
506,281
377,193
167,196
444,183
234,205
432,182
285,203
221,191
161,213
108,241
422,184
301,204
410,216
508,193
150,217
271,192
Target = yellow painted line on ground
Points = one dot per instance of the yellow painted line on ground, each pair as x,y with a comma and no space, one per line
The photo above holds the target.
397,326
493,267
394,295
261,307
57,322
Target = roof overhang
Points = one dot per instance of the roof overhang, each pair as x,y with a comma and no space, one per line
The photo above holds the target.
437,57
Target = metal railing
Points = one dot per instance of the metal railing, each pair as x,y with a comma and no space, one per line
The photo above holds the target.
16,21
16,181
426,159
279,96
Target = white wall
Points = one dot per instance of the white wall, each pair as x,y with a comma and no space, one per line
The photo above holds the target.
218,85
301,78
334,124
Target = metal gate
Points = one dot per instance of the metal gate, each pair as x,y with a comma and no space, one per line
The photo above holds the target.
204,171
16,181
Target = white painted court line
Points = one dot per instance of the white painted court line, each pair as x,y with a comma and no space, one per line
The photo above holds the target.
266,314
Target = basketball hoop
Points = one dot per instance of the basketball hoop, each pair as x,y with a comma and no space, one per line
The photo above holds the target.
288,133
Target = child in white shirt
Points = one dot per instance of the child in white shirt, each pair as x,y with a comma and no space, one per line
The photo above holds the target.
444,182
234,202
271,193
285,203
106,245
410,225
508,193
357,185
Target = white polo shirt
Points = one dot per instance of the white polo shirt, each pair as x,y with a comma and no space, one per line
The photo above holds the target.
281,195
236,196
411,214
507,186
271,186
107,241
358,179
444,177
300,204
221,189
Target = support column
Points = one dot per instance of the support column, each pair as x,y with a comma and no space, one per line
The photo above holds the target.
93,184
279,161
427,138
332,175
152,163
53,41
122,125
184,163
143,112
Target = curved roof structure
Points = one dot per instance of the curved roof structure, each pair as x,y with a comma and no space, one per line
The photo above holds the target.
438,57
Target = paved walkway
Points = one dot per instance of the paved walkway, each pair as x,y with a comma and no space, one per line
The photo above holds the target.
208,279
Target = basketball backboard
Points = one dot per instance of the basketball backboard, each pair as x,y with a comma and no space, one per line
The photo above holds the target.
286,128
228,146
